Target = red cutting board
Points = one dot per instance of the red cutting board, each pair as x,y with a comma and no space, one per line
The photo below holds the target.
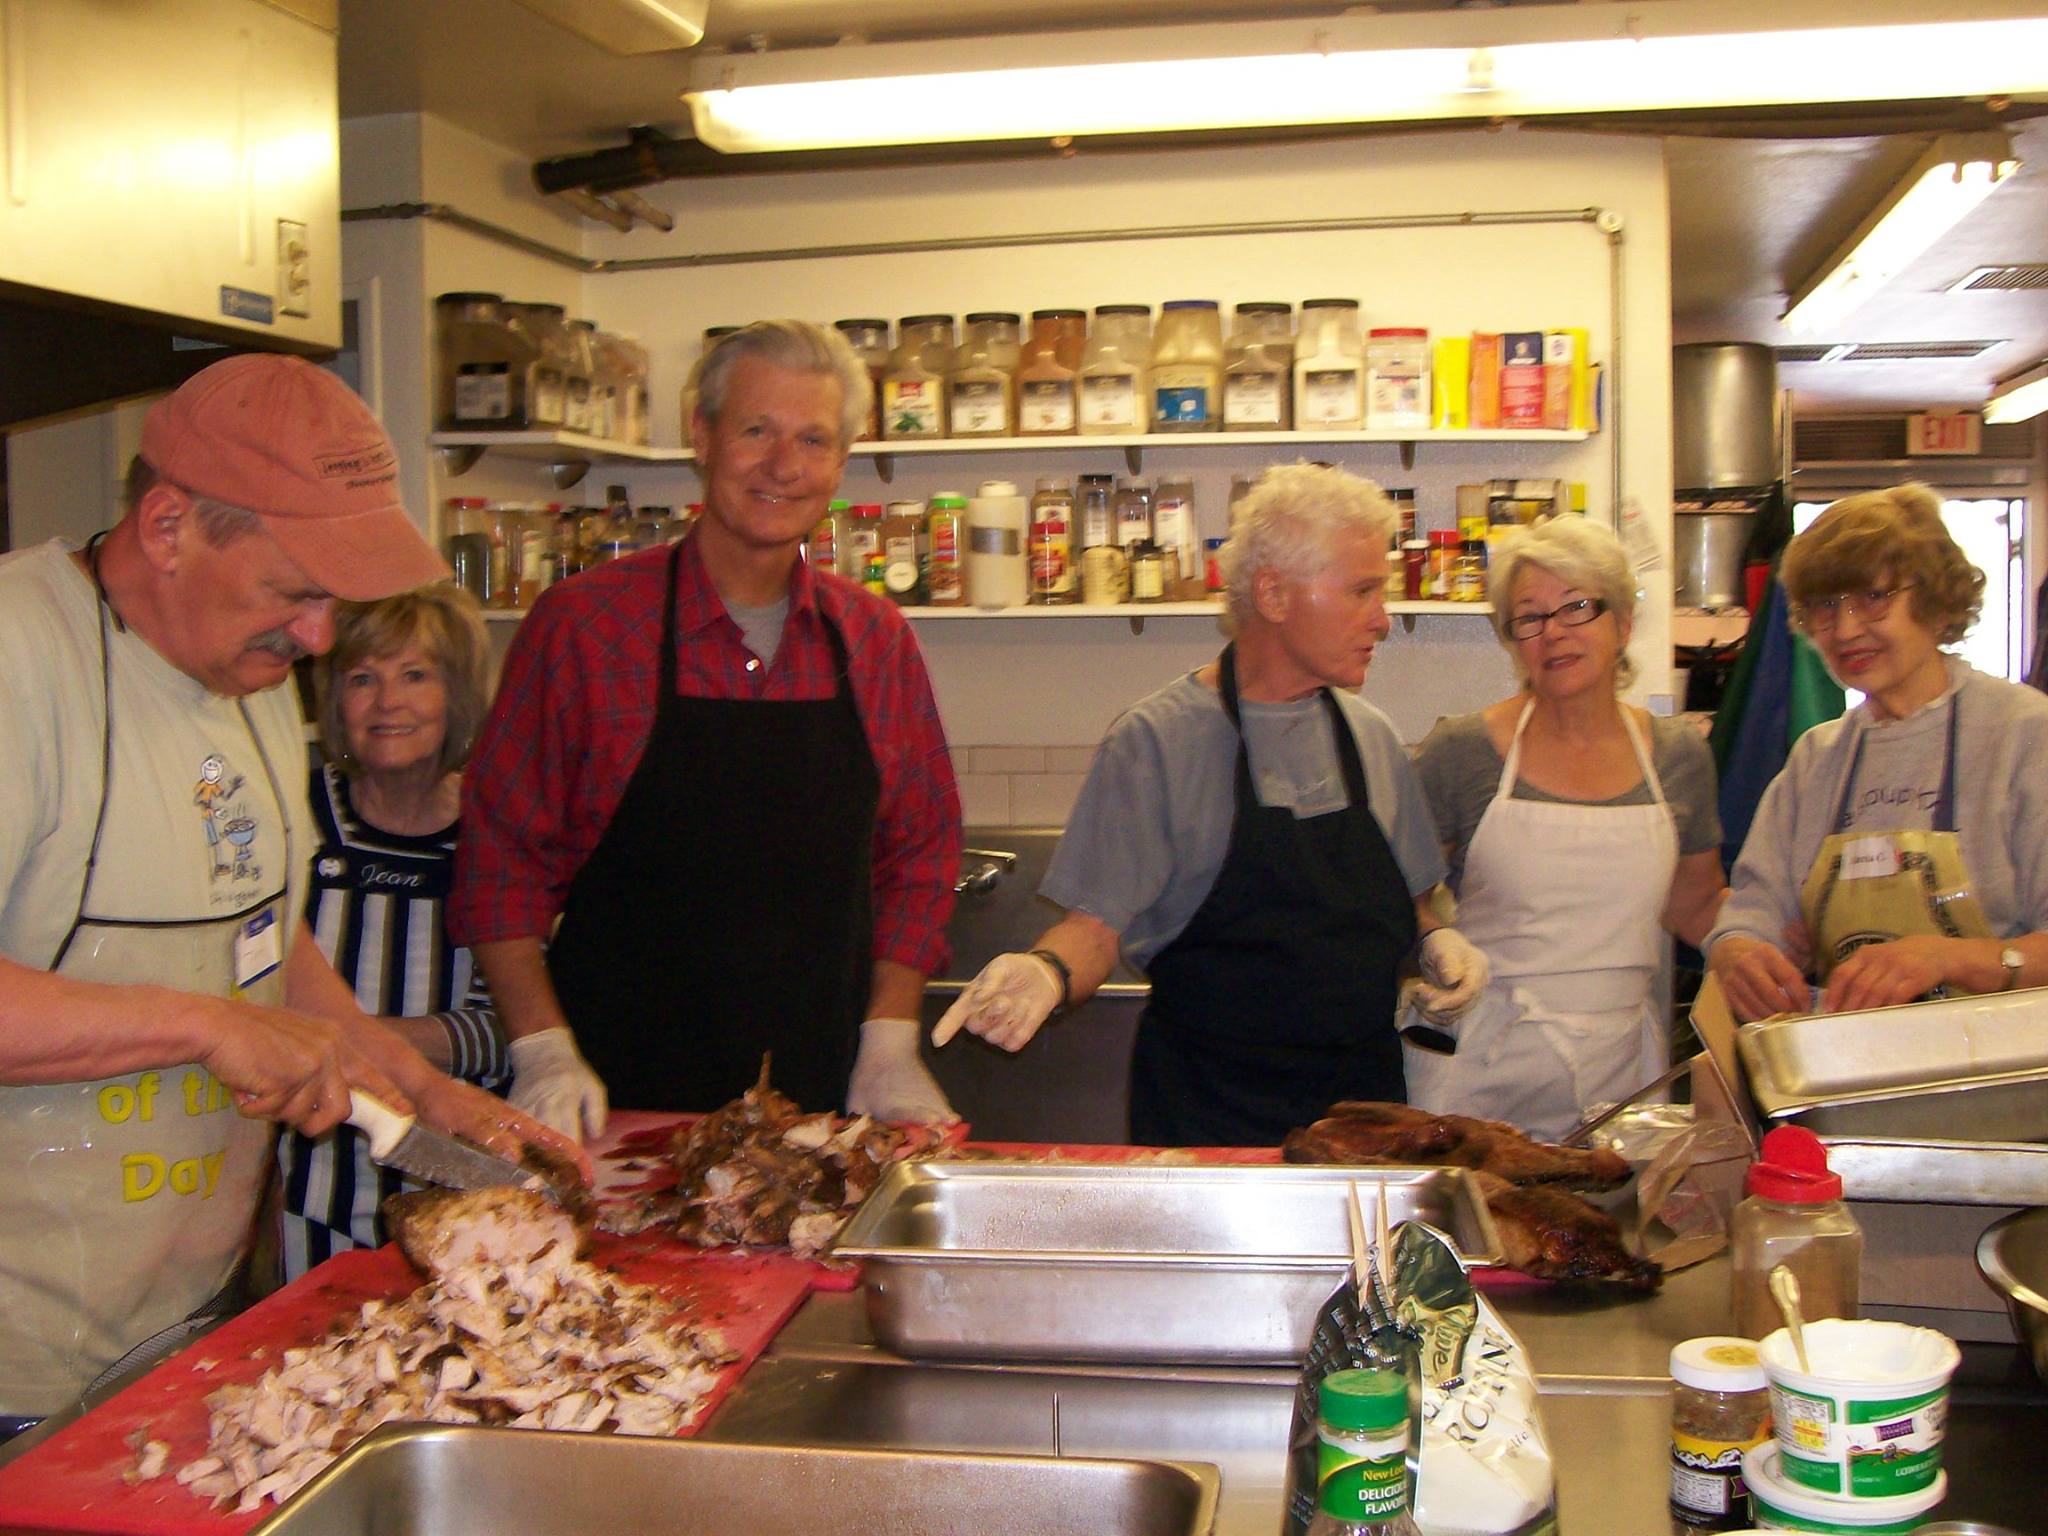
73,1481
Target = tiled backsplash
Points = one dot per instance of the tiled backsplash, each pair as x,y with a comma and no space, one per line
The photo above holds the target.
1019,786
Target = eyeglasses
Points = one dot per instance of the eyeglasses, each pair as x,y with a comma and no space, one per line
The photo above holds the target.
1572,615
1823,613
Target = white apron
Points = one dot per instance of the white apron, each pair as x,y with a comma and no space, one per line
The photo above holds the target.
1565,900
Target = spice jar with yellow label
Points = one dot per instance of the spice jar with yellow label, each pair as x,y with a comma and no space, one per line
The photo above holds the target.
1720,1407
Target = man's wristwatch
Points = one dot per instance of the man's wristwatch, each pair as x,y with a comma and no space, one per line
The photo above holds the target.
1066,978
2014,962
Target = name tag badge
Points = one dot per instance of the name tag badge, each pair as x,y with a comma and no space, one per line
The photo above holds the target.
259,948
1868,858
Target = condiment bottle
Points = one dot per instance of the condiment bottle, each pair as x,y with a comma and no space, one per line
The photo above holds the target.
1443,561
821,549
1720,1407
1097,512
1415,569
582,404
1397,378
1133,511
945,580
1115,387
860,535
914,384
997,574
981,390
1258,369
1329,367
1794,1216
1187,367
902,565
1148,573
1174,531
1049,373
1052,542
1468,572
480,377
870,342
547,376
1362,1456
1105,575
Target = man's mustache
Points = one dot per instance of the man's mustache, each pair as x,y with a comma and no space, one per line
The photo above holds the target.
277,643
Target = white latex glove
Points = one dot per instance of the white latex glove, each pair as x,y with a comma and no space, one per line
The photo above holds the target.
1005,1004
553,1083
1454,973
889,1079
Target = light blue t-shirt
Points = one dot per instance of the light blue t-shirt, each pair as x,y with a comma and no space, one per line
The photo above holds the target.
1149,834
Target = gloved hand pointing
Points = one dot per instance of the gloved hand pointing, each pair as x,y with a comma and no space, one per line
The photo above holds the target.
553,1083
890,1081
1454,973
1005,1004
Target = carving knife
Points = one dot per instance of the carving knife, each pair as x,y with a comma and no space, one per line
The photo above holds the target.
431,1156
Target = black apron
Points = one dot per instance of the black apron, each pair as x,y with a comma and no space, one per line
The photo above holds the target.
1278,998
726,909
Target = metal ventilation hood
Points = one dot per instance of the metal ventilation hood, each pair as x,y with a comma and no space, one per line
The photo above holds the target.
169,186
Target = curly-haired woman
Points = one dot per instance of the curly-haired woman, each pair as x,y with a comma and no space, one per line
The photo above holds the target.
1906,844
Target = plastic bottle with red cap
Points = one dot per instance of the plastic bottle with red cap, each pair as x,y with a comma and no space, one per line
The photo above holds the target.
1794,1216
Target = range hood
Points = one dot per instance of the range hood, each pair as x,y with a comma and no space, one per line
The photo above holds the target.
169,188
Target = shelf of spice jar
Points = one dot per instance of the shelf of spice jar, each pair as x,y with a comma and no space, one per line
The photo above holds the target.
569,454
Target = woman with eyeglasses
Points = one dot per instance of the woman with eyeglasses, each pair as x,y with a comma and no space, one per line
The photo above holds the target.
1903,847
1575,825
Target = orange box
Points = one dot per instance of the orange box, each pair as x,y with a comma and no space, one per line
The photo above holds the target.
1486,365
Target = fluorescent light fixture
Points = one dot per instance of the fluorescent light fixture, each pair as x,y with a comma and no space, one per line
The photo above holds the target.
629,26
1450,65
2020,397
1945,184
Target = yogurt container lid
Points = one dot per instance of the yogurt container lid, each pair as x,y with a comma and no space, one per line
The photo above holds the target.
1718,1364
1776,1497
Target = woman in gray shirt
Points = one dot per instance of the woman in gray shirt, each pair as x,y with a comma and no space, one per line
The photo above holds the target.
1574,825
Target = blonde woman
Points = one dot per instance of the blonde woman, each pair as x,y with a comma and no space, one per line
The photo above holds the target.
1575,826
401,696
1906,844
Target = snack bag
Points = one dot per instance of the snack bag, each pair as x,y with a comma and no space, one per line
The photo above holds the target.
1484,1468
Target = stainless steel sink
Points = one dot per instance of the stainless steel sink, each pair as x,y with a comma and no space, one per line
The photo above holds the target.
429,1480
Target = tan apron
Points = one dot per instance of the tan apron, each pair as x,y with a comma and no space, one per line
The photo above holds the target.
126,1202
1869,887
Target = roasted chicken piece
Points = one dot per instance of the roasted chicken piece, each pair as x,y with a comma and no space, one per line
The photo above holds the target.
1556,1236
761,1172
1355,1131
442,1230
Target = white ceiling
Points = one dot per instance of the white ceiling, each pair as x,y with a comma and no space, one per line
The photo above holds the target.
1751,218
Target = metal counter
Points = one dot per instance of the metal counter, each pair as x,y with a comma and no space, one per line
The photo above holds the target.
1602,1367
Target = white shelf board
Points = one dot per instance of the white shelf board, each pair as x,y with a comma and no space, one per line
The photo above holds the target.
1098,611
560,447
549,447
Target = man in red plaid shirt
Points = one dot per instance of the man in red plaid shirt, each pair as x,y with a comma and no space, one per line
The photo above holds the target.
723,772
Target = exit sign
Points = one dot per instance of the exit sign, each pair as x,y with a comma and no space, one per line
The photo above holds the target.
1944,432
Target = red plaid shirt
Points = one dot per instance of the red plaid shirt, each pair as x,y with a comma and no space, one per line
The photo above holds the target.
576,704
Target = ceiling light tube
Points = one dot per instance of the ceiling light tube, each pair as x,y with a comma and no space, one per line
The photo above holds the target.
1944,185
2020,397
1448,65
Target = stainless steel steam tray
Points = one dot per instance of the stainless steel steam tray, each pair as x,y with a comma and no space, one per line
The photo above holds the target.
1134,1263
437,1480
1976,1066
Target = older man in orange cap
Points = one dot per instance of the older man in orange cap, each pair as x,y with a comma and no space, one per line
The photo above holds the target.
160,1002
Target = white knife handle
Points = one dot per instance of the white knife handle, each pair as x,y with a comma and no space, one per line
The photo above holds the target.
384,1126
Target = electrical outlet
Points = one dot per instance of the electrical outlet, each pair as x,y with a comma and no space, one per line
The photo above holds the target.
294,270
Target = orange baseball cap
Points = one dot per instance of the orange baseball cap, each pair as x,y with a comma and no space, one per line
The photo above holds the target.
296,446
